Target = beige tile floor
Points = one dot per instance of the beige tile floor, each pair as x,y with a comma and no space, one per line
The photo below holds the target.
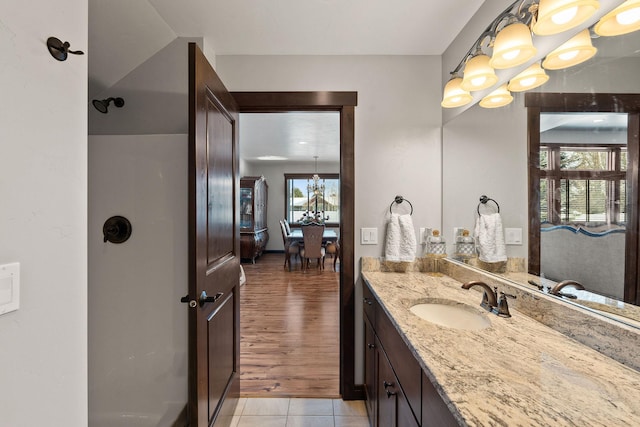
298,412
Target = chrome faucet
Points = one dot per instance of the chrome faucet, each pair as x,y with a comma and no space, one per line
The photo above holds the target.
556,290
490,300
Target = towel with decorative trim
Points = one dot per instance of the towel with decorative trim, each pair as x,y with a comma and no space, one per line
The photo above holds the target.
400,244
490,238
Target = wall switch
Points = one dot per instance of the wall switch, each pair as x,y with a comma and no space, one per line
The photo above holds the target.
369,236
422,238
513,236
9,287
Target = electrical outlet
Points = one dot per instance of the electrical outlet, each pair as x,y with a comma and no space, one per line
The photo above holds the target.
422,239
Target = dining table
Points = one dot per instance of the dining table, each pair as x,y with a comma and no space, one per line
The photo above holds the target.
329,235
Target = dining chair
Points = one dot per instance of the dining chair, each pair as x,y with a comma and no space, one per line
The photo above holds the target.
333,249
290,248
286,226
312,241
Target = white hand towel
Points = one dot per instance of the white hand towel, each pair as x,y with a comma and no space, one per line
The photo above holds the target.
392,240
490,238
407,238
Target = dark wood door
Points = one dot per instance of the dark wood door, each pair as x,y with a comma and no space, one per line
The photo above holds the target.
214,263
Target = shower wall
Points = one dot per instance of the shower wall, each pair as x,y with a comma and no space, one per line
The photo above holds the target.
137,325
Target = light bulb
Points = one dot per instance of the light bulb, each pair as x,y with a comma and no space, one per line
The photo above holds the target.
478,81
456,99
628,17
527,82
564,16
511,55
566,56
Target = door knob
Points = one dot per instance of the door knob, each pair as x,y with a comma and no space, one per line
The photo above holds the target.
204,298
186,300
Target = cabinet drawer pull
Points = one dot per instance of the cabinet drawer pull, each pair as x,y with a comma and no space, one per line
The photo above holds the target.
371,346
386,384
390,393
367,301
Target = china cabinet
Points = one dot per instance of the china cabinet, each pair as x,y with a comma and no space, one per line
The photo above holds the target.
253,217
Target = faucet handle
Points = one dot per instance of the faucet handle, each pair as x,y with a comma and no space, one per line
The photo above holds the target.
503,307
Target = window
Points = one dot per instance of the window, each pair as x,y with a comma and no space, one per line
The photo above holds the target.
583,184
301,199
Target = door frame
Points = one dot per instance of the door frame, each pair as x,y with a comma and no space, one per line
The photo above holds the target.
344,103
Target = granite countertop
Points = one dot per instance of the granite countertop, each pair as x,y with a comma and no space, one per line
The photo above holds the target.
517,372
614,308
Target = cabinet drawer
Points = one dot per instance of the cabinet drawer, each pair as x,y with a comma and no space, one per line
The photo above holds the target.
404,363
369,304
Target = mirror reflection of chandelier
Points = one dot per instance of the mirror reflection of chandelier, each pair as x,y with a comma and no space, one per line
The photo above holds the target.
315,186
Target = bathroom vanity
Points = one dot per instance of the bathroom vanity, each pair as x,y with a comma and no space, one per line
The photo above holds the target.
515,371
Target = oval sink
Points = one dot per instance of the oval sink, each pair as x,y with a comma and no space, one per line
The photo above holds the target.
457,316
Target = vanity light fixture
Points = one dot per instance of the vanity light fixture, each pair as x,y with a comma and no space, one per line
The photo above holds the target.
573,52
498,98
454,95
478,74
530,78
513,46
623,19
556,16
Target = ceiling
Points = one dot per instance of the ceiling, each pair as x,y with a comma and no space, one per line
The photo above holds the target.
297,136
320,27
125,33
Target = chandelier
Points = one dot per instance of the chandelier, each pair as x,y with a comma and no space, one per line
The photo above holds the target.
315,186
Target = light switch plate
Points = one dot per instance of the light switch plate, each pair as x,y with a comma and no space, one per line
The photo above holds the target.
513,236
369,236
9,287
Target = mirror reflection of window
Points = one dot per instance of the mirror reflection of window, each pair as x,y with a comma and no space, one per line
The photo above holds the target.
582,185
583,162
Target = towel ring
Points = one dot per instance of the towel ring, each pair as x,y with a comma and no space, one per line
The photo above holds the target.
483,201
398,200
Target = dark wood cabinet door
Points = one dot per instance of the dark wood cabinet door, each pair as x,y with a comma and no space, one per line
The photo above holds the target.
370,371
387,391
435,413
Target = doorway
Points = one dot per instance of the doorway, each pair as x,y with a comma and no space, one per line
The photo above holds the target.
344,103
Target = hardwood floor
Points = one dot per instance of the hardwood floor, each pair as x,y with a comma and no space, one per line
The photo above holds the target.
289,330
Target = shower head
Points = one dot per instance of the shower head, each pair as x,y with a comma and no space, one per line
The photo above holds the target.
103,105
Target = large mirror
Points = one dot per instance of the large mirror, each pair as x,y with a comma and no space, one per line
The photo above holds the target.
574,218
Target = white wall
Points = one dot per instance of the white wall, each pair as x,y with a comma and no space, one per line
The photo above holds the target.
43,219
397,130
274,173
155,95
485,153
137,325
397,124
